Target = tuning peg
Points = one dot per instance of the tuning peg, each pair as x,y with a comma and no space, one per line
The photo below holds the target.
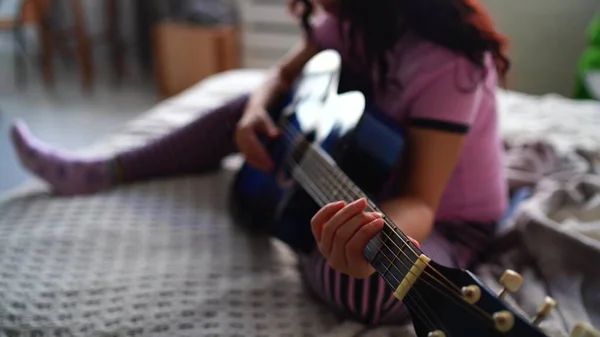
584,330
504,320
544,310
471,293
438,333
512,282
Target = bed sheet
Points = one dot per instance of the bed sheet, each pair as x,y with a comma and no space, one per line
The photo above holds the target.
163,258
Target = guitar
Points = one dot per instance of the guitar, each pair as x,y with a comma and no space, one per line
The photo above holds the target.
339,147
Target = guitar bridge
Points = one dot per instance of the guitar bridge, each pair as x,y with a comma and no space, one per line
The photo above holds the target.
411,278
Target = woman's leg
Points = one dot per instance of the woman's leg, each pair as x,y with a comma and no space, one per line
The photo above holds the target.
371,300
196,147
199,146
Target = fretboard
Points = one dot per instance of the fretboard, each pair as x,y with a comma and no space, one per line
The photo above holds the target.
390,252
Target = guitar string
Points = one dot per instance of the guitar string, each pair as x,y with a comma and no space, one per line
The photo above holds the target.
461,299
322,199
347,182
315,189
431,329
390,260
396,257
420,312
461,303
374,209
389,225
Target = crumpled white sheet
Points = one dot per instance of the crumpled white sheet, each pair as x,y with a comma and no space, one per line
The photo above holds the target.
565,123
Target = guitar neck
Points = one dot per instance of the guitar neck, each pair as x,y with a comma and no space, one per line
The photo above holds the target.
390,252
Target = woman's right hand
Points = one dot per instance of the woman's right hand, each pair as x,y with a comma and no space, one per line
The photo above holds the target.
255,121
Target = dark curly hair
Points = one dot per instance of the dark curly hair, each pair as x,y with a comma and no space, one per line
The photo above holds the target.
462,26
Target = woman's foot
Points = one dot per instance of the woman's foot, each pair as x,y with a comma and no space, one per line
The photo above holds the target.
66,173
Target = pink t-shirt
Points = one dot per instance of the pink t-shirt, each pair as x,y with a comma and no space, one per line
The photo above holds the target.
438,85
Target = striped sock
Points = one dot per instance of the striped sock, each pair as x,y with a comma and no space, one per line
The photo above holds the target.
66,173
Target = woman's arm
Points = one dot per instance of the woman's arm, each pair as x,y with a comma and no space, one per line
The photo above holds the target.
282,75
255,119
343,230
440,118
431,158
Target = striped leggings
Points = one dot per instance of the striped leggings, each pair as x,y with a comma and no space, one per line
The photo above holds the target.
203,143
370,300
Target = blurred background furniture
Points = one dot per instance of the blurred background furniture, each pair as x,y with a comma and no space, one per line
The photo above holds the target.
184,41
16,14
185,54
54,35
51,36
177,42
268,32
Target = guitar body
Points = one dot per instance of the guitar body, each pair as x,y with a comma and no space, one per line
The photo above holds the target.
366,149
358,136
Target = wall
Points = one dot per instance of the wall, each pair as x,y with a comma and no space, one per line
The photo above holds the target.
268,31
96,24
547,39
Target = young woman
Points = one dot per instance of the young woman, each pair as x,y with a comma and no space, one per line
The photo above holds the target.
433,65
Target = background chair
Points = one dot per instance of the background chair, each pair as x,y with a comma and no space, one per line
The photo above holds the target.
20,14
52,36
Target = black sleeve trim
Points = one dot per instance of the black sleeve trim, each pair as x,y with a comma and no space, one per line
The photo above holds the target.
427,123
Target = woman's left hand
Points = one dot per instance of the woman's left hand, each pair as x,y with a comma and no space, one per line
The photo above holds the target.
342,232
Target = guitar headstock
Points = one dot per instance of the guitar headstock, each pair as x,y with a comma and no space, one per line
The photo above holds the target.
446,302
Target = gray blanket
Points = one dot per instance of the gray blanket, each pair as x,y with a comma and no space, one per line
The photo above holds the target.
553,239
163,257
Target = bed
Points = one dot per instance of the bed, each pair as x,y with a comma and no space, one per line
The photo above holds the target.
163,258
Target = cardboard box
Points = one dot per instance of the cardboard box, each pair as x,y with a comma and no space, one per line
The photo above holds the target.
185,54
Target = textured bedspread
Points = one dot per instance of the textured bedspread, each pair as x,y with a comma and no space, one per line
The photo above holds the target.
164,259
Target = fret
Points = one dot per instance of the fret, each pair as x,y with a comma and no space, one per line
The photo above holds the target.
387,269
331,192
400,265
339,185
400,241
388,275
322,173
334,194
390,270
402,261
382,253
382,264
